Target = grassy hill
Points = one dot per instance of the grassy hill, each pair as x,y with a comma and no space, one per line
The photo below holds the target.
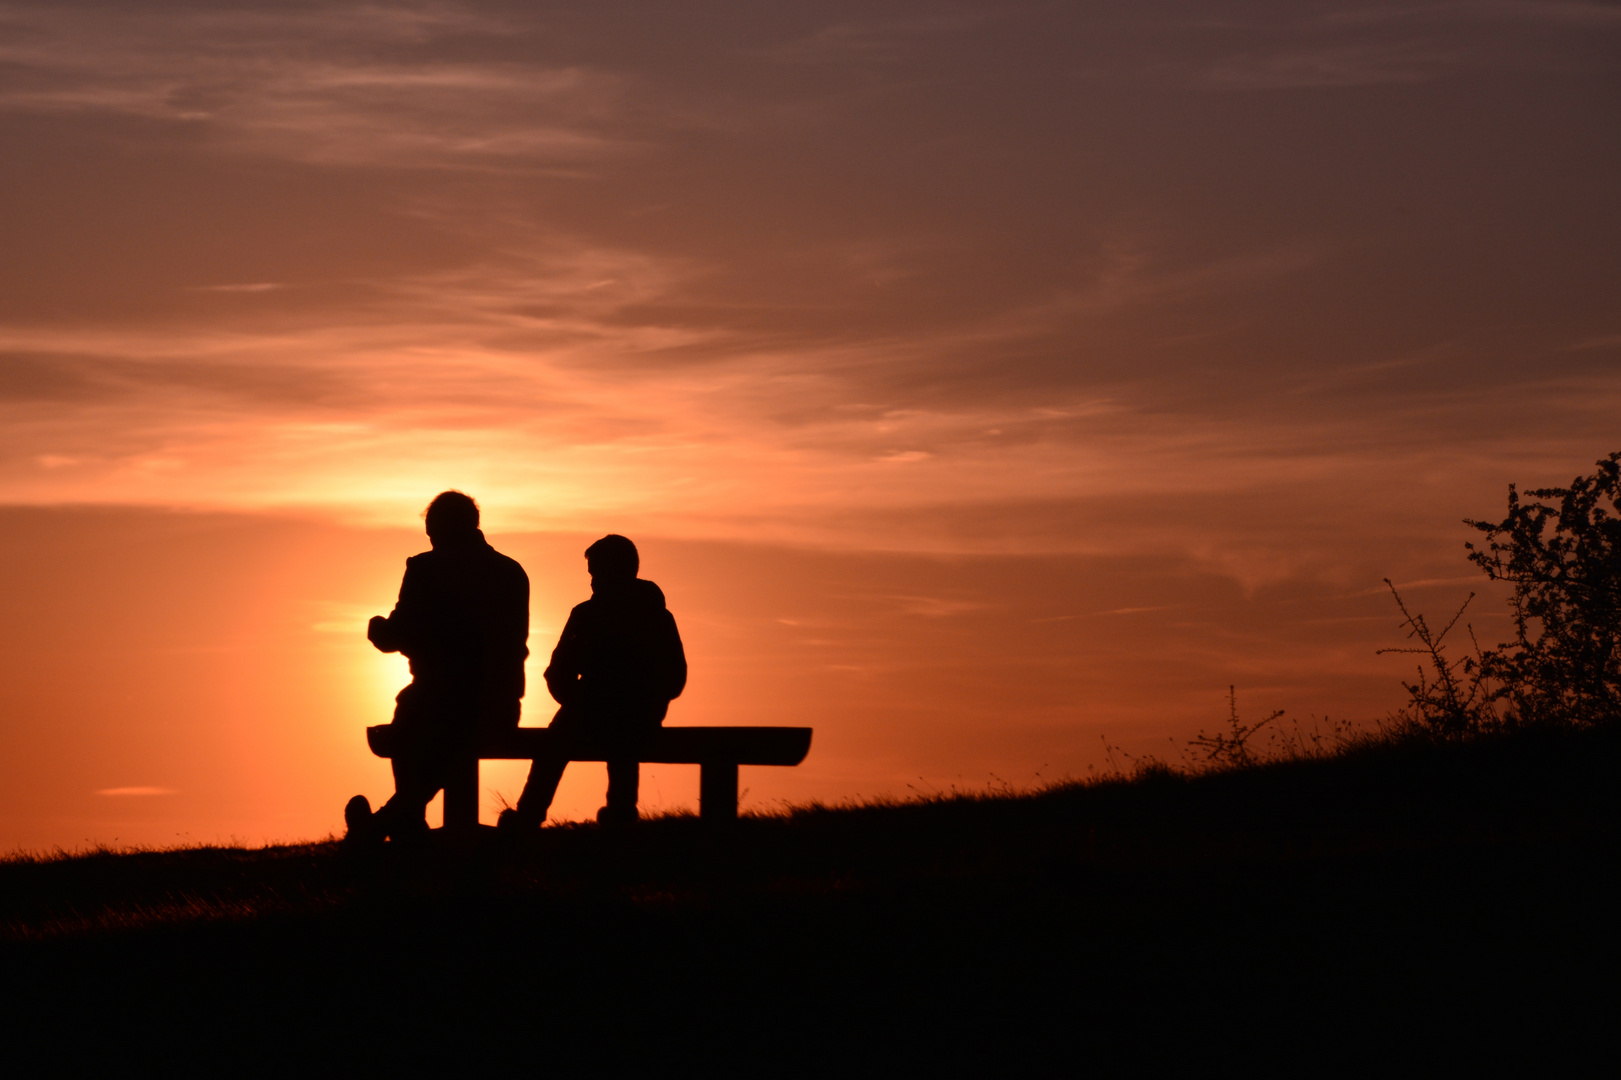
1407,902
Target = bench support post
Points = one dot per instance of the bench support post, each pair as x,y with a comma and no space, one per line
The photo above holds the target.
461,795
717,791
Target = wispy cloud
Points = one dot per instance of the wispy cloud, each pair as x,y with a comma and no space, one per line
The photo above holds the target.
1333,66
1558,13
1397,44
120,792
1597,341
877,38
346,258
338,86
936,607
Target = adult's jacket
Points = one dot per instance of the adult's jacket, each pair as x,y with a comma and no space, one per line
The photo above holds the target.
463,622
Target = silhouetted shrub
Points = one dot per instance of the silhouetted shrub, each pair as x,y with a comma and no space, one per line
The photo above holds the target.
1230,749
1457,700
1563,558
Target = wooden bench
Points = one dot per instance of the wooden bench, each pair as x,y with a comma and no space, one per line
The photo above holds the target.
717,750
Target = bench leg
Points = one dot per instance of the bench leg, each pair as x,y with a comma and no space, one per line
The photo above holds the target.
717,791
461,796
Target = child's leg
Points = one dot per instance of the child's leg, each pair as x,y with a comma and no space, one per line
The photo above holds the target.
624,788
540,789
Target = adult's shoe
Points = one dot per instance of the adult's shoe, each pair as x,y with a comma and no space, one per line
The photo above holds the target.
360,823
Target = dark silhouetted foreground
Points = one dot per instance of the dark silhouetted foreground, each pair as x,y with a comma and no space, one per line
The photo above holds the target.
1427,903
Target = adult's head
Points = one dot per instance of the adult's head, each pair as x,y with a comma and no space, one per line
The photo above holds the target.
450,517
611,559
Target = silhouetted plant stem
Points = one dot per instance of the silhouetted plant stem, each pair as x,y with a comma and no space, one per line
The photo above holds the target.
1454,702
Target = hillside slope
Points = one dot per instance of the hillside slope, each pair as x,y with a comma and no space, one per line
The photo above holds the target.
1446,901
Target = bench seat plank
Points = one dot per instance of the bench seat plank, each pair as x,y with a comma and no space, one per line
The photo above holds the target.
668,746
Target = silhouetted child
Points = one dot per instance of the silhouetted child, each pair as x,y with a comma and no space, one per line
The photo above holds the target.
617,665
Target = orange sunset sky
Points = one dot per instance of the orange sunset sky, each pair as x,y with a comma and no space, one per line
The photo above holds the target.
981,381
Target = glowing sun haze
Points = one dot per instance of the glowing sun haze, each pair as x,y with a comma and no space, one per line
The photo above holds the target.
979,379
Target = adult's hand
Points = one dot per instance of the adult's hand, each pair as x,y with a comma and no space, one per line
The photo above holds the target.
381,634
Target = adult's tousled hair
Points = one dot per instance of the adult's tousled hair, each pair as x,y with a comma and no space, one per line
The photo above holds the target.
613,556
451,511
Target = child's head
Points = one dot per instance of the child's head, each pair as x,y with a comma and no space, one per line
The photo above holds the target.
613,558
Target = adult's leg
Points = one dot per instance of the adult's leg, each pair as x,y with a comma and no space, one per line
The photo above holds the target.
420,753
418,776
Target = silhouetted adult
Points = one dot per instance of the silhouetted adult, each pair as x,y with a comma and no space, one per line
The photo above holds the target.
463,621
617,665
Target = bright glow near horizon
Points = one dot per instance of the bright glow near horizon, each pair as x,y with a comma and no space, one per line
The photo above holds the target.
997,378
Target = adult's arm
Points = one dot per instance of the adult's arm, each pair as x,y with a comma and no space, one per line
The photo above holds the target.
506,630
397,631
512,632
